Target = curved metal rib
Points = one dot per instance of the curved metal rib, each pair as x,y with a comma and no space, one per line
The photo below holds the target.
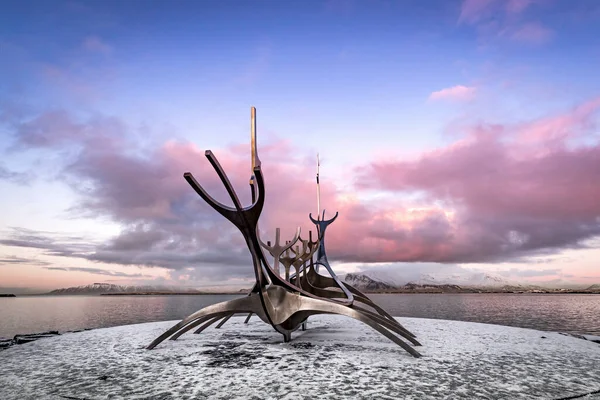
217,167
250,303
209,323
322,282
211,318
220,324
317,306
222,209
362,298
396,328
339,284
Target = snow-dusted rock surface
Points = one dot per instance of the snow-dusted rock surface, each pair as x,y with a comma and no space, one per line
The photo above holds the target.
334,358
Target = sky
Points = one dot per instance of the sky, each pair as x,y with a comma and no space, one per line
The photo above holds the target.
453,136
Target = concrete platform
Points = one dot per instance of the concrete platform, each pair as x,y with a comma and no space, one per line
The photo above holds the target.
335,358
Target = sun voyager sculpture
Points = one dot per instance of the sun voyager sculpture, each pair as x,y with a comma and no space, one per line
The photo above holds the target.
286,298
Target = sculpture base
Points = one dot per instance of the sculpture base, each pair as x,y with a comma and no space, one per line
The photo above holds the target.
335,357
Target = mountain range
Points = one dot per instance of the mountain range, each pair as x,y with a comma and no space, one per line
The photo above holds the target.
397,279
383,280
464,282
109,288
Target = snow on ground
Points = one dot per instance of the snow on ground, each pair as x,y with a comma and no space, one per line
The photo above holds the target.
334,358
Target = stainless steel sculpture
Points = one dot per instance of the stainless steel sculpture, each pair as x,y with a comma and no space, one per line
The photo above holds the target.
283,304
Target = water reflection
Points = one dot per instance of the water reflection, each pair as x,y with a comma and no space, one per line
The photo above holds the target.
566,313
44,313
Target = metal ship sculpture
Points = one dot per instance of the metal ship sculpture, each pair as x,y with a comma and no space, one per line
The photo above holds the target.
286,298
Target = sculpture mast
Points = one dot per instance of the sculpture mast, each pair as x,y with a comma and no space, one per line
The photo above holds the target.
253,155
318,190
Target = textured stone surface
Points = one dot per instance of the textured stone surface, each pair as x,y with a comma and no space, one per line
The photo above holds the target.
335,358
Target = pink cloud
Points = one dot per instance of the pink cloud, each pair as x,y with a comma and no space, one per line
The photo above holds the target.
557,129
491,196
459,93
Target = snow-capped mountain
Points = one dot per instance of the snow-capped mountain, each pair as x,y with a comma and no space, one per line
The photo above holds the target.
103,288
474,279
361,281
389,279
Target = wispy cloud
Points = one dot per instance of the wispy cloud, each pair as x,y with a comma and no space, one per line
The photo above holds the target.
53,244
134,247
518,6
531,32
504,19
454,93
11,260
475,11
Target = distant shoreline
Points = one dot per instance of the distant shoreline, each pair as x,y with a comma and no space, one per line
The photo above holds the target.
173,294
481,292
363,283
366,292
399,291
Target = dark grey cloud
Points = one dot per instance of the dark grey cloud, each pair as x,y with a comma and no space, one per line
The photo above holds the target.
57,128
140,247
52,243
165,223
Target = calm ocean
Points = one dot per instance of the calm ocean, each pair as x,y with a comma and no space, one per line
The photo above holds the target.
563,313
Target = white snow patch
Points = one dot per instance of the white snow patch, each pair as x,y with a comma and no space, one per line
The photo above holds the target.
334,358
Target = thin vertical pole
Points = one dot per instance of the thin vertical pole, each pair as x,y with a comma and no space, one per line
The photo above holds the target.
252,150
318,190
252,142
